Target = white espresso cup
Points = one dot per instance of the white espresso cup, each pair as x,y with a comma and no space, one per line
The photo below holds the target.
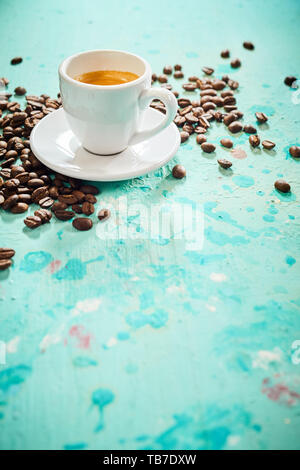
105,118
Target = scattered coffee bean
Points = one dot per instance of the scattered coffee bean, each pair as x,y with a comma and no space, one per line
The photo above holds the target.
179,172
226,143
295,151
282,186
82,223
207,147
6,253
5,264
163,78
249,129
46,202
178,74
235,63
184,136
44,215
32,221
261,117
189,86
225,53
154,77
248,45
67,199
77,208
177,67
235,127
19,208
16,60
290,80
224,163
88,208
168,69
103,214
268,144
254,140
10,201
200,130
208,70
20,90
200,139
64,214
89,189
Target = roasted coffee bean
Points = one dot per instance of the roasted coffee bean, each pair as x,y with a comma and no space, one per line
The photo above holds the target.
254,140
225,53
183,102
295,151
200,139
46,202
23,177
178,74
77,208
90,198
238,114
268,144
19,208
5,173
39,193
224,163
207,147
103,214
282,186
249,129
168,69
7,253
89,189
179,121
5,264
290,80
218,116
200,130
32,221
175,93
191,118
233,84
177,67
16,170
64,215
208,70
20,90
11,154
4,81
35,183
189,128
67,198
226,143
88,208
184,136
218,85
261,117
23,197
235,63
3,144
168,86
229,108
57,206
229,118
53,192
12,184
16,60
163,78
10,201
189,86
2,198
178,172
248,45
208,106
82,223
229,100
44,215
235,127
154,77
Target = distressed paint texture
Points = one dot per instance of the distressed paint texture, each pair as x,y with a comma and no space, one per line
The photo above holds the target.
143,343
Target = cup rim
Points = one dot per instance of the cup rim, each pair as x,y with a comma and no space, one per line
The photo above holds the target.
63,65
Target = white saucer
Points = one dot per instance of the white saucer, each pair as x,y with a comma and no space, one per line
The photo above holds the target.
54,144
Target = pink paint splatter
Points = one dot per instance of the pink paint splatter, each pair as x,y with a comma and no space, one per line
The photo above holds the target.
54,266
238,153
83,337
280,393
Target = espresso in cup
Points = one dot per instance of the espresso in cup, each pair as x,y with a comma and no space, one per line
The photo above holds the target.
106,77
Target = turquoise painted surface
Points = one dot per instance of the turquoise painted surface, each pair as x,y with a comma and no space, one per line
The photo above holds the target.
143,343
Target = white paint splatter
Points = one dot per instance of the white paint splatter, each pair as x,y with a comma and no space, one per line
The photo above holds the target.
218,277
173,289
12,345
111,342
86,306
52,338
264,358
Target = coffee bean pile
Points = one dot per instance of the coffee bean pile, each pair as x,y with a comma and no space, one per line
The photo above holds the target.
24,180
217,101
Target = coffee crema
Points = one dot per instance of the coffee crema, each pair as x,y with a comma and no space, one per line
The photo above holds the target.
106,77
